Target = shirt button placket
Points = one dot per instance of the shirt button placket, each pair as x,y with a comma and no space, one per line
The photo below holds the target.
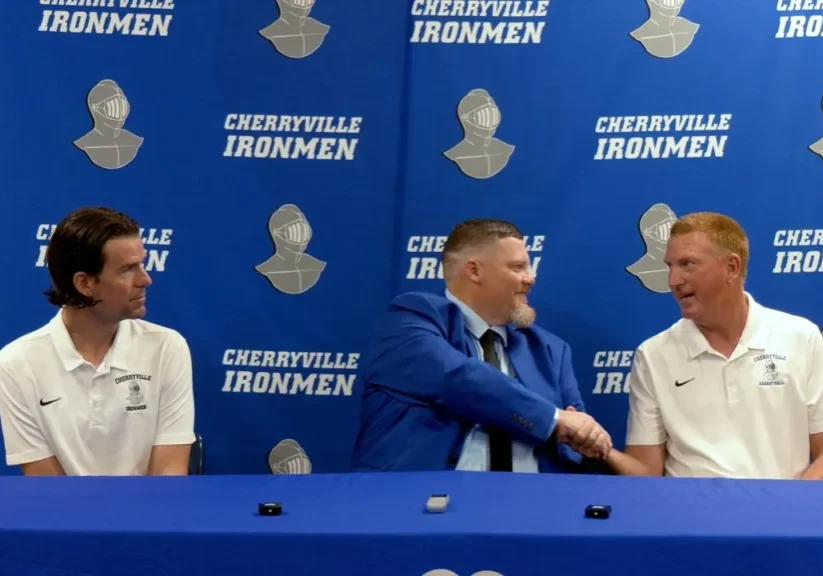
732,392
95,404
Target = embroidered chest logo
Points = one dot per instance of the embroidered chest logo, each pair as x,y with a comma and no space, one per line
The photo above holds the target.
771,371
135,397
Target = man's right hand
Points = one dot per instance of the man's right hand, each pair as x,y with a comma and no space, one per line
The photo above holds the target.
583,434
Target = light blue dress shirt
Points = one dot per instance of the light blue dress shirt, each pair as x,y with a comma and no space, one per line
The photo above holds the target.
475,453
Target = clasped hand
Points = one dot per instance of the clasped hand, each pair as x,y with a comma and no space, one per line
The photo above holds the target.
583,434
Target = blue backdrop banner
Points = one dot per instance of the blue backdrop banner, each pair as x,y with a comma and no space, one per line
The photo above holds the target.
296,163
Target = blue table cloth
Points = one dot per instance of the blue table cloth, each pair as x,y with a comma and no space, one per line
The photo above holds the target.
364,524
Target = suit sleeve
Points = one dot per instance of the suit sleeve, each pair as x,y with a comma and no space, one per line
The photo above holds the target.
568,382
572,397
413,358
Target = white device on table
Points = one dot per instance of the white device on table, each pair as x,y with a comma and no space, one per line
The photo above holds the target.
437,503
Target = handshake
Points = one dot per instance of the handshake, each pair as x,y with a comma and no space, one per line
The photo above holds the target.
583,434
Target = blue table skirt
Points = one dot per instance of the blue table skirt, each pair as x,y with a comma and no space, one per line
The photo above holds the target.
364,524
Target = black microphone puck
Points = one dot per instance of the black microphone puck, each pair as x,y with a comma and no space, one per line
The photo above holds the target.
270,509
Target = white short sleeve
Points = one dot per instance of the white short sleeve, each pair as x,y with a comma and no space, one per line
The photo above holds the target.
22,436
815,383
645,424
175,424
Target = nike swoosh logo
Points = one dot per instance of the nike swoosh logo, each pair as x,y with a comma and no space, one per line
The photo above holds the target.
47,403
678,384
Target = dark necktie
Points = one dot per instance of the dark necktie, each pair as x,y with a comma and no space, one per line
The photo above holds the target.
500,444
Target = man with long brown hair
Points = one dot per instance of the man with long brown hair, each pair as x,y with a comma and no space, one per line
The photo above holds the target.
98,390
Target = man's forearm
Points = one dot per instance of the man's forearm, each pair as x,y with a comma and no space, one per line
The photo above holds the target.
170,460
625,465
814,471
46,467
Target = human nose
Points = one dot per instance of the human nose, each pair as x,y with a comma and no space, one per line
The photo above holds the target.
675,278
146,278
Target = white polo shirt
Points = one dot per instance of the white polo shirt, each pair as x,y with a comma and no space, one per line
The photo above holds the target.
101,421
748,416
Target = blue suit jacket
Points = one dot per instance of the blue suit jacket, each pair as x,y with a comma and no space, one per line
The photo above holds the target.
426,387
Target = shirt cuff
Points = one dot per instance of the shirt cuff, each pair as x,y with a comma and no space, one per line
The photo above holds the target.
554,423
174,439
32,455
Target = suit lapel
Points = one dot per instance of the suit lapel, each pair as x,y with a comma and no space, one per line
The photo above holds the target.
457,332
527,372
469,347
518,353
522,361
459,335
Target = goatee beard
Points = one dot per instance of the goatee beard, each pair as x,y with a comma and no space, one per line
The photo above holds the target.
523,316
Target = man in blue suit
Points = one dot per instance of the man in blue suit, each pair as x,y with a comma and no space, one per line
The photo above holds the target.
466,381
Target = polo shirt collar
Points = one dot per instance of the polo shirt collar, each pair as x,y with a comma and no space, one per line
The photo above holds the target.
754,335
71,358
476,325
